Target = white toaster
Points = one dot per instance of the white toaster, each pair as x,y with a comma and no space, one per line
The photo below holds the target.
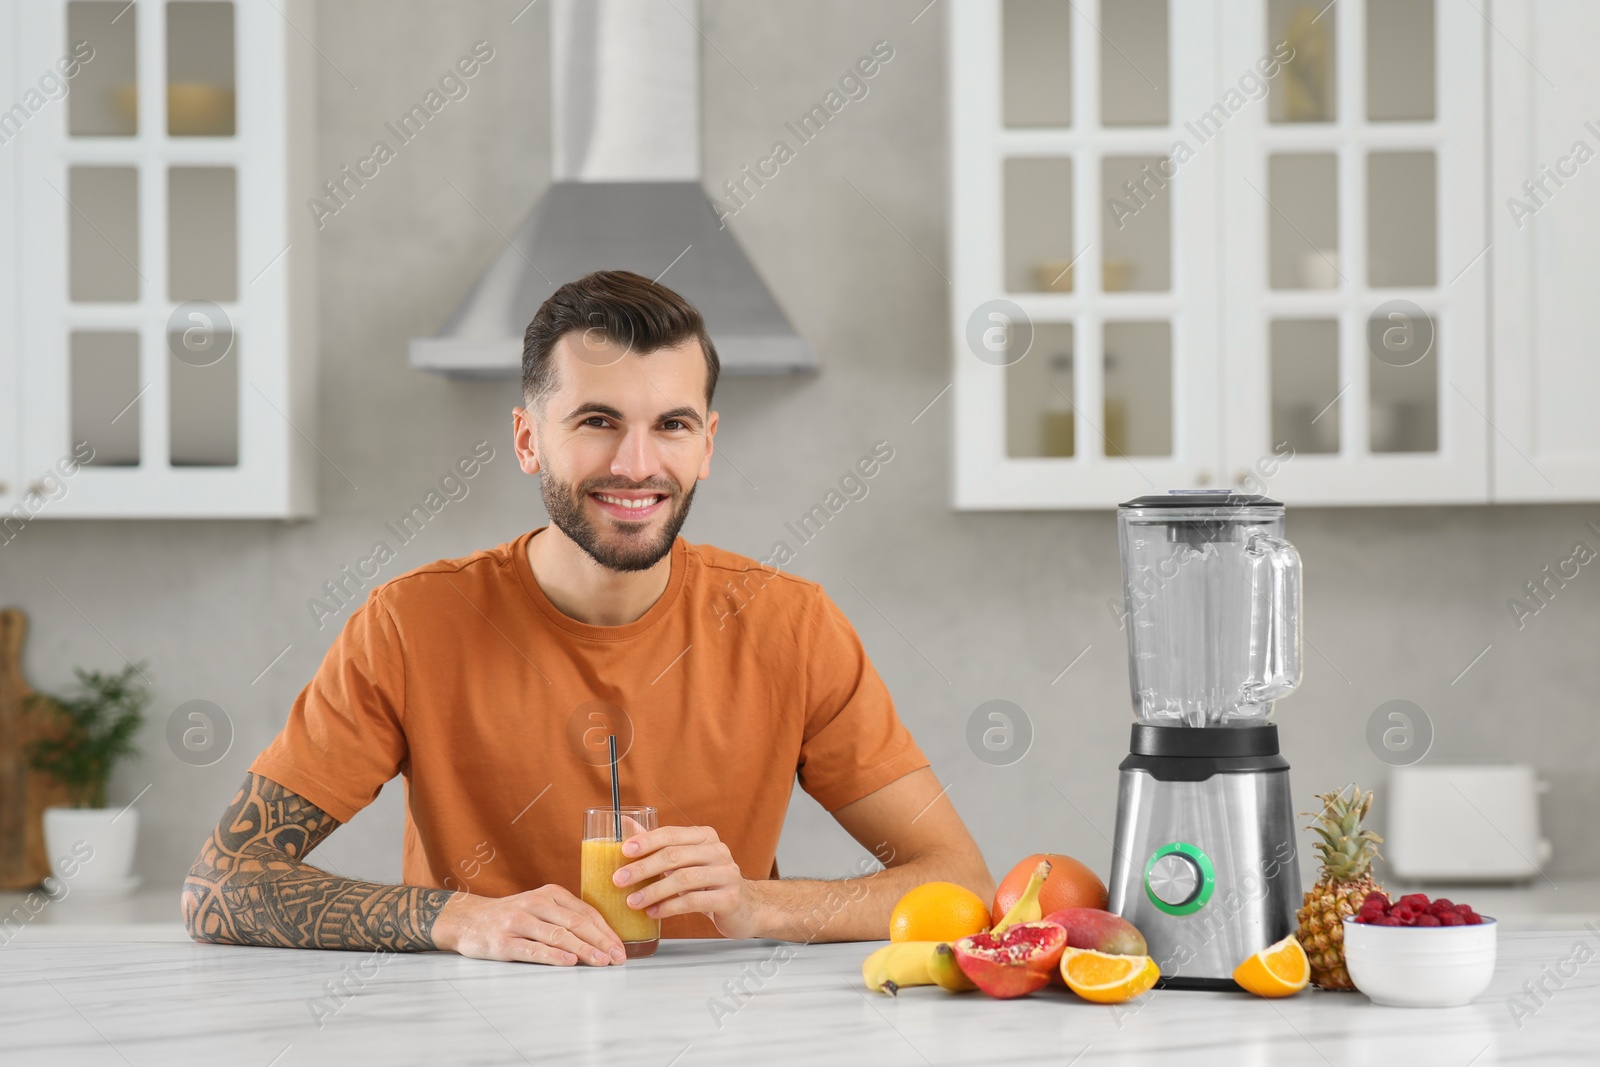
1465,823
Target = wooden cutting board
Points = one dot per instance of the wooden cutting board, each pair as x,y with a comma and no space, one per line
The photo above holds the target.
24,792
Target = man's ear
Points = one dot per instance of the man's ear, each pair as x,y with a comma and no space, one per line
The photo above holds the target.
711,434
525,439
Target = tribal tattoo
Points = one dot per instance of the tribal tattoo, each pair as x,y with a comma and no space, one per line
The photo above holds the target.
252,886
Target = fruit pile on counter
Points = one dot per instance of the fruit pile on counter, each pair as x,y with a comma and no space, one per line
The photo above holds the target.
1048,926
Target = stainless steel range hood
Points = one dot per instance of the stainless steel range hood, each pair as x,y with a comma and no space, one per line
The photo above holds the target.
625,91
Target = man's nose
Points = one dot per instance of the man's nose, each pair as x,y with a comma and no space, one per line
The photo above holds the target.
637,457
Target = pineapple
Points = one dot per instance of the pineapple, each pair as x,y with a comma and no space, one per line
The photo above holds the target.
1347,855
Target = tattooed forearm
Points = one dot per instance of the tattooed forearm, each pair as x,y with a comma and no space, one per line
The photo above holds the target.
252,886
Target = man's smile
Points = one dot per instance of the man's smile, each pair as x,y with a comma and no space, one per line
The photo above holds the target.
629,506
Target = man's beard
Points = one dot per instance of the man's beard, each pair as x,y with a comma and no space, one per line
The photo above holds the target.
639,550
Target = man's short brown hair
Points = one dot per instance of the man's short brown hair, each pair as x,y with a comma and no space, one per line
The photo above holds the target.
629,310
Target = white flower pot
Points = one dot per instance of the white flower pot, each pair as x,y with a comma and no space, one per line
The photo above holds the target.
91,850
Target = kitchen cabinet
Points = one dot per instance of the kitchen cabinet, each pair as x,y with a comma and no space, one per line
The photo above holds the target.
1086,364
158,357
10,428
1545,212
1248,244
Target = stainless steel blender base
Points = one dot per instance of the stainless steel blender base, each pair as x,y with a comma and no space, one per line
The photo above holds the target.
1206,870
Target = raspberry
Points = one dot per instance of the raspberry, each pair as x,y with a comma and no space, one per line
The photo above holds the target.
1388,920
1428,920
1415,900
1464,909
1377,895
1442,904
1450,918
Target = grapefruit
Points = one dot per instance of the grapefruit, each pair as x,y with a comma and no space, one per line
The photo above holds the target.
1069,885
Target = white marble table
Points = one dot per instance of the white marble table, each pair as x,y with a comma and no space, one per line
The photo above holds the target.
65,1003
151,913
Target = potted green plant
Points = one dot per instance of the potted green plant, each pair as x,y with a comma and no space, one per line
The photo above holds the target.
90,732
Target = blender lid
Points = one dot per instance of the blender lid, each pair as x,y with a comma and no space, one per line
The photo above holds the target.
1202,498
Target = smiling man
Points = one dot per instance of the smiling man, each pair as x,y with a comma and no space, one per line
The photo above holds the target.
491,682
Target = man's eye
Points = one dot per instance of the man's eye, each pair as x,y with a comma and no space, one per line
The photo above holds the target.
674,424
595,420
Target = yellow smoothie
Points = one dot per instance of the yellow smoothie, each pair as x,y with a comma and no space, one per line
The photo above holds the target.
601,860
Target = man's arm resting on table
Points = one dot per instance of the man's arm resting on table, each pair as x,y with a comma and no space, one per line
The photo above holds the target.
914,830
251,885
908,824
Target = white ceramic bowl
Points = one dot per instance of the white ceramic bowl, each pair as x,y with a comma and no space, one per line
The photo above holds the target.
1420,966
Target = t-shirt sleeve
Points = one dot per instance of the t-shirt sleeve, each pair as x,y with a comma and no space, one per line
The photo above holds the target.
345,736
854,743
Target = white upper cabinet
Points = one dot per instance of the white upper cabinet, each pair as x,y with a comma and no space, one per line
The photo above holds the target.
1276,215
1356,258
10,423
1084,292
1545,212
159,351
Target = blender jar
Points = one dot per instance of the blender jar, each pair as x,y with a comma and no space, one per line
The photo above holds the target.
1212,596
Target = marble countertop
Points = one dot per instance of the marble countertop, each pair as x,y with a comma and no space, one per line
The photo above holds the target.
151,914
64,1003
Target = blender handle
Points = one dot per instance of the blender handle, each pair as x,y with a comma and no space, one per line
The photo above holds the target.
1286,657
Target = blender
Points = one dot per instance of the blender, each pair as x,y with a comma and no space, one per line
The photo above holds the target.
1204,857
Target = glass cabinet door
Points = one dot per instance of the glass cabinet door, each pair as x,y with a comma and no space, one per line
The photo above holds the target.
1203,244
1354,358
155,322
1084,294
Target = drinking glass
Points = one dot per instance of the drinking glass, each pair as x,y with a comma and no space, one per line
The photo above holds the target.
602,857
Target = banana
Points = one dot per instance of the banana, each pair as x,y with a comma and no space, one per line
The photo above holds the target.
946,971
1027,908
896,966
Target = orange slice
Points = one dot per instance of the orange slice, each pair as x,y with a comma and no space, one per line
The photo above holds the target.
1107,979
1280,970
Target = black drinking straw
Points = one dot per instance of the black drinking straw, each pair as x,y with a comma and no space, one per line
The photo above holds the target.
616,792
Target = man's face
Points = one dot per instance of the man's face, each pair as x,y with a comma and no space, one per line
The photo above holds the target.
620,442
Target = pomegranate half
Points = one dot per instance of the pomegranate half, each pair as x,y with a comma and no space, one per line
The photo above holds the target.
1015,962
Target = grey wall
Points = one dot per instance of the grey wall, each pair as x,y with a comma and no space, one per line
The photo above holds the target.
955,608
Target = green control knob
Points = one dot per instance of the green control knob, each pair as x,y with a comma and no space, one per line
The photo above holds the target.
1179,878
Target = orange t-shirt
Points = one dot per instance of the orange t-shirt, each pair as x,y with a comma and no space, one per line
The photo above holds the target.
464,677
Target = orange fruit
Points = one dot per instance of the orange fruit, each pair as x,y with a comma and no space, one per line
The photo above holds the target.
1280,970
1107,979
938,911
1069,885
